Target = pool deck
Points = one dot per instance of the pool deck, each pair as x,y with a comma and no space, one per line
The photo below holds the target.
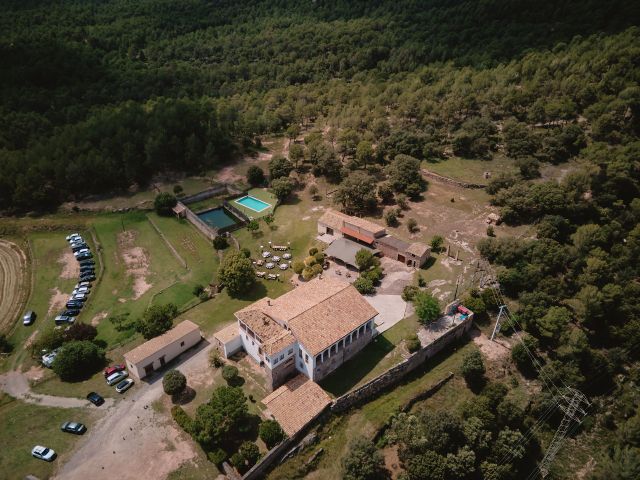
262,195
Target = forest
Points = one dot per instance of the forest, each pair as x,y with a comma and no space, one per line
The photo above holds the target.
106,86
99,95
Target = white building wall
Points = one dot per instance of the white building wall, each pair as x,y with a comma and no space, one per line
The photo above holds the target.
232,346
284,353
305,362
251,345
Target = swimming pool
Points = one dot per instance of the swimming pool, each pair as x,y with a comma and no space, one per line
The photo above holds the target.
217,218
253,203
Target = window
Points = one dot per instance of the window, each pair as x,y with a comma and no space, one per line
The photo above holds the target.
282,357
300,353
306,358
252,342
182,344
290,351
259,350
275,360
318,359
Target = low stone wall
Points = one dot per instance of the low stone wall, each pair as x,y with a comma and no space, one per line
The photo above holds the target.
450,181
206,230
395,374
203,195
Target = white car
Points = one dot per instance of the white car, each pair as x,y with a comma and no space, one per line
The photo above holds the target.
79,290
43,453
81,252
117,377
83,284
48,358
124,385
72,236
79,296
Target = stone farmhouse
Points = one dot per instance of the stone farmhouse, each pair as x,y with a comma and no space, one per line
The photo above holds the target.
346,235
312,330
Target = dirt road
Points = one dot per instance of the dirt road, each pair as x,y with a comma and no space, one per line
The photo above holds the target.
133,441
13,265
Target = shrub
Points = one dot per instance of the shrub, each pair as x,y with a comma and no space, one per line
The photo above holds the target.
282,188
236,273
409,292
217,456
250,452
310,261
255,176
238,461
5,345
220,242
473,368
229,373
308,273
215,360
78,360
490,231
364,285
374,274
271,433
413,343
156,320
363,462
177,190
246,252
436,243
391,218
181,418
197,290
412,225
421,281
163,203
319,256
316,269
174,382
313,251
298,266
313,191
427,307
401,200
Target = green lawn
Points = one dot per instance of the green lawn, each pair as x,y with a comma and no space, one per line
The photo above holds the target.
24,426
337,435
380,355
472,170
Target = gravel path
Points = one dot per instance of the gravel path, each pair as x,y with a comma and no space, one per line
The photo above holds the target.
133,440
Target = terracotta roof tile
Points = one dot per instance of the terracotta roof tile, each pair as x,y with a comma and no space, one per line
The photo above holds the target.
155,344
279,343
228,333
418,249
296,403
336,220
261,324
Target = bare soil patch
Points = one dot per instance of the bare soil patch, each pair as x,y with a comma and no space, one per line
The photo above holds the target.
95,321
392,461
57,301
13,283
494,351
35,373
30,340
228,175
136,262
70,267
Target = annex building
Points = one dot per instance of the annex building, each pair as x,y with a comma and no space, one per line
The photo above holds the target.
346,235
311,330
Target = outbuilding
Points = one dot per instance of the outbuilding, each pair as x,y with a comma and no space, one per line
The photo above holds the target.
155,353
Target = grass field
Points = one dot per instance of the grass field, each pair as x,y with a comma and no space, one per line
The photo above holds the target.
472,170
24,426
337,435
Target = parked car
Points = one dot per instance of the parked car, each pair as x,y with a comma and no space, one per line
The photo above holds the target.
75,304
76,247
80,296
113,369
73,235
72,312
43,453
84,256
83,284
29,318
48,358
116,377
82,251
82,289
73,427
87,270
87,262
124,385
89,277
96,399
62,319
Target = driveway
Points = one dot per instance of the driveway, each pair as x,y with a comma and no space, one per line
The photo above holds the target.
133,440
16,384
391,310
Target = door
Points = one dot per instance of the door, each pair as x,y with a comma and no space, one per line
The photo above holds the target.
148,369
329,231
401,258
162,361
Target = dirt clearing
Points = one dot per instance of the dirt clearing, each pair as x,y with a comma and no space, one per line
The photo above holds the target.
136,260
95,321
58,300
13,282
70,267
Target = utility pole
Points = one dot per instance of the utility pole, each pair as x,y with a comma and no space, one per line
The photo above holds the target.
496,329
573,412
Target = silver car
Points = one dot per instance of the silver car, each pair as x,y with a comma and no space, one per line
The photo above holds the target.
116,377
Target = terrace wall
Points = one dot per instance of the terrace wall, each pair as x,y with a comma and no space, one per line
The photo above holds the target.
205,229
210,192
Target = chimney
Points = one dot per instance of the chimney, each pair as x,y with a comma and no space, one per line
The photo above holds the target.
269,301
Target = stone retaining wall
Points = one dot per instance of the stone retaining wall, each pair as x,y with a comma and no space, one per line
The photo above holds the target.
206,230
395,374
203,195
450,181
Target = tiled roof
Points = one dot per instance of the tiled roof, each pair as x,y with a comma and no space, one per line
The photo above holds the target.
393,242
154,345
279,343
228,333
261,324
296,403
336,220
418,249
318,313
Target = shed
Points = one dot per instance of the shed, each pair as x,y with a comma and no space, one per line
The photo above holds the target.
228,339
180,210
345,250
155,353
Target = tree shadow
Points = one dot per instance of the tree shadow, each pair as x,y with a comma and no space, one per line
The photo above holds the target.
258,290
184,397
237,381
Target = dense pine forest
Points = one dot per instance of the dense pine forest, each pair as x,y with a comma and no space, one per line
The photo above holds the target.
98,95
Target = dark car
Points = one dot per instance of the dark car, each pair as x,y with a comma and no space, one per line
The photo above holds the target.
29,318
84,263
96,399
88,277
74,304
78,246
84,256
73,427
72,312
88,268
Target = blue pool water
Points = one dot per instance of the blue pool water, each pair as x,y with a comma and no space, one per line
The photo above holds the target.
217,218
253,203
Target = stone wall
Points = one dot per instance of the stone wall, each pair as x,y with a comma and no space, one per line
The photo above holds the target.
395,374
206,230
450,181
281,373
208,193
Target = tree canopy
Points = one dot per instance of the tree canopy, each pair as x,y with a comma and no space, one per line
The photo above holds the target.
236,273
